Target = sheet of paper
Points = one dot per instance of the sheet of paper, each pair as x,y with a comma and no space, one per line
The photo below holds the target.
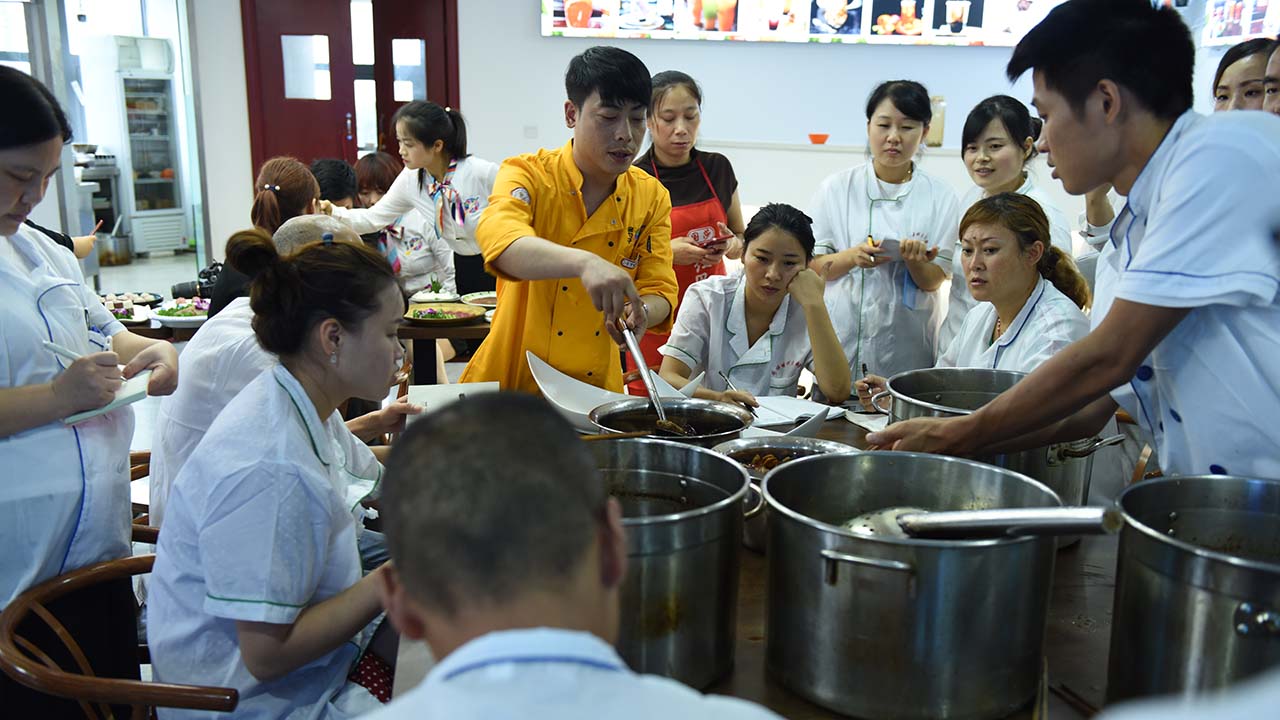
867,421
784,410
436,397
131,391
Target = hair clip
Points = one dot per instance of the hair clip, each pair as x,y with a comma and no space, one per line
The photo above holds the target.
269,186
448,109
327,238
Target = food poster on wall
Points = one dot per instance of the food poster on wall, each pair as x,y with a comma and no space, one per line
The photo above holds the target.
904,18
1228,22
957,19
911,22
837,17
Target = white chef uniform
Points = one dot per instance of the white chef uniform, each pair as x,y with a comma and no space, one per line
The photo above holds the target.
472,180
881,317
710,334
960,301
65,501
1197,233
553,673
261,523
1048,322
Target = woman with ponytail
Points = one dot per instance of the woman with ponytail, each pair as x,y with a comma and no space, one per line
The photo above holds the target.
449,187
257,583
999,142
285,189
1030,295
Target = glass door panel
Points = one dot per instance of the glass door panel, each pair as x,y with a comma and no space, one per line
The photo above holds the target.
152,145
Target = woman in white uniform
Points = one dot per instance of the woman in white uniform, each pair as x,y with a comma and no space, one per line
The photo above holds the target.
759,328
257,582
883,301
998,140
65,502
418,255
1029,293
440,180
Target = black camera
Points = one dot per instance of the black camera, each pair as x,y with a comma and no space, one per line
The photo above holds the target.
202,287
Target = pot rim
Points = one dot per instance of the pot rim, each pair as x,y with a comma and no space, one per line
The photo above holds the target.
1198,551
598,413
776,506
959,412
735,498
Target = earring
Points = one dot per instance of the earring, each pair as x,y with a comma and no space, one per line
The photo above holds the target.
333,358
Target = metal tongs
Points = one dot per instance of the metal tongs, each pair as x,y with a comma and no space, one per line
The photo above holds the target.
633,346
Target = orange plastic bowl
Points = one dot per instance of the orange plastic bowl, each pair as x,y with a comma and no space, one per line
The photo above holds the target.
819,138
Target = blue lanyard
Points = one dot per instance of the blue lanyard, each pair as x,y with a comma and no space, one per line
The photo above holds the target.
534,660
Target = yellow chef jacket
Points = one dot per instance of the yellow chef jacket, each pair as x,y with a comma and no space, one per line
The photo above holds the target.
541,195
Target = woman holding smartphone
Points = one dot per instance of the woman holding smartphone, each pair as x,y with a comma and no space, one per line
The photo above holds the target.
706,216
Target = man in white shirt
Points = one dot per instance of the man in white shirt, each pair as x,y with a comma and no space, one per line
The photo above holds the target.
508,557
1194,328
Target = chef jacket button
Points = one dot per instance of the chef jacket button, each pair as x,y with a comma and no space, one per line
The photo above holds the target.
564,288
613,222
559,332
610,243
1217,470
588,373
619,198
573,192
597,333
1175,414
1145,373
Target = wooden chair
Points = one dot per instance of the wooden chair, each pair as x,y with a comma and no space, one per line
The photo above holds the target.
140,467
32,666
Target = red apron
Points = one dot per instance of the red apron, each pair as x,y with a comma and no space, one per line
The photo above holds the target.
698,221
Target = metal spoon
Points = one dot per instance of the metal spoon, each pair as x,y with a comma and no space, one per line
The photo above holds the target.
908,522
633,346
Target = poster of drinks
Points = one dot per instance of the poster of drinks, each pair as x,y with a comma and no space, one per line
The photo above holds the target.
1228,22
902,22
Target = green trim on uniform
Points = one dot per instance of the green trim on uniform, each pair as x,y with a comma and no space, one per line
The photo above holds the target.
252,602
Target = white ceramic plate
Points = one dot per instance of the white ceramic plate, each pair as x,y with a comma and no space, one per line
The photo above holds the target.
179,322
479,298
426,296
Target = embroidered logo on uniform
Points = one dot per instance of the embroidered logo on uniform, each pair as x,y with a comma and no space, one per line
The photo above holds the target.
472,204
629,263
522,195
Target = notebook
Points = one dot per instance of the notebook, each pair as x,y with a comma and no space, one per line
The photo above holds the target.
435,397
131,391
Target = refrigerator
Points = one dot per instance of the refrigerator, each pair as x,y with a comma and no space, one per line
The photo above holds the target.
131,109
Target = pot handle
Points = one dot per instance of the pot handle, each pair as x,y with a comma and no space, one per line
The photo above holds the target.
1092,447
875,406
759,506
834,558
1252,619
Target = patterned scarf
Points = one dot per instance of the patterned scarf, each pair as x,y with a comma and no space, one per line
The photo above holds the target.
443,193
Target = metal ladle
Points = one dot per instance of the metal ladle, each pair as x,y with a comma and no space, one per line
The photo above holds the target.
633,346
912,522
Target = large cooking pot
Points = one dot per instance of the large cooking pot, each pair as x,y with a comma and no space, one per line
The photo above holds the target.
950,392
1197,604
682,511
713,422
784,448
879,627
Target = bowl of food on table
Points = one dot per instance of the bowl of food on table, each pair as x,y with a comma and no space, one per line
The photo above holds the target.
487,299
443,313
183,312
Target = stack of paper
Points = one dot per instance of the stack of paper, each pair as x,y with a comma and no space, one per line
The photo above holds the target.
783,410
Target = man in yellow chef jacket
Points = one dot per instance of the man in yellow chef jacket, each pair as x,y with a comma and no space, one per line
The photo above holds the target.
578,238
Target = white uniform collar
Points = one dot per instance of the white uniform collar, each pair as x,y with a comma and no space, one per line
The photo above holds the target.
320,440
1015,328
897,191
1144,188
735,323
528,646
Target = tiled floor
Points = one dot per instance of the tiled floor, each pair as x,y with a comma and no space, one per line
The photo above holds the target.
157,274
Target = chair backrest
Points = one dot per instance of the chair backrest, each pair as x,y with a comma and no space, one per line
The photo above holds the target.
32,666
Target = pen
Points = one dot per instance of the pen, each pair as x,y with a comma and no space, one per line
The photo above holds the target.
729,382
865,371
65,353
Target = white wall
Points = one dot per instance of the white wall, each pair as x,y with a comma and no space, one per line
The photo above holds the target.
224,118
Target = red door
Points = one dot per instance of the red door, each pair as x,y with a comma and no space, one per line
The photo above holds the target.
301,76
434,22
300,79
